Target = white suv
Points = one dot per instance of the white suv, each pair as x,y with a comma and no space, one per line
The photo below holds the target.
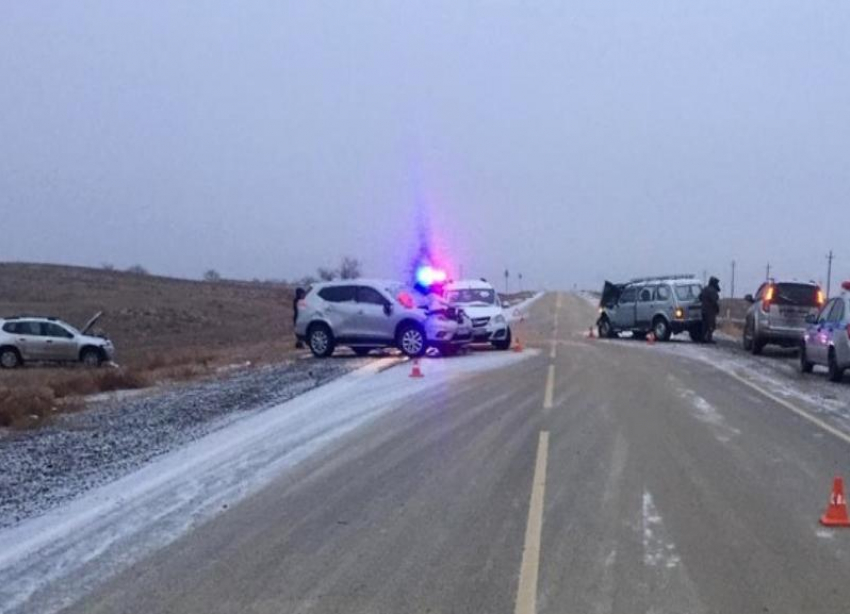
366,314
480,301
31,339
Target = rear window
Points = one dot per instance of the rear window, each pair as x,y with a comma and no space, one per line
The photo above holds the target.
803,295
338,294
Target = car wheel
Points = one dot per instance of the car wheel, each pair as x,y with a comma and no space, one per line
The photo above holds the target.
605,329
757,346
9,358
91,358
503,344
661,329
321,341
411,341
835,373
362,351
806,366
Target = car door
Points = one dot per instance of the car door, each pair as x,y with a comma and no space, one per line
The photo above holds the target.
340,308
624,318
645,306
27,335
58,343
818,343
372,320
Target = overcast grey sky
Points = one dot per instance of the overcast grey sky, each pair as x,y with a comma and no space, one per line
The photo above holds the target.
569,140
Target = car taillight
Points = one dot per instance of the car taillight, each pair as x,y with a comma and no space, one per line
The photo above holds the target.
821,298
768,297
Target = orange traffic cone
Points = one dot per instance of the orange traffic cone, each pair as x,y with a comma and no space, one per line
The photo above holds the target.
650,338
590,334
518,345
416,371
836,511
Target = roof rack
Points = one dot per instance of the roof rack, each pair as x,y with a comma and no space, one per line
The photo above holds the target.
662,278
30,316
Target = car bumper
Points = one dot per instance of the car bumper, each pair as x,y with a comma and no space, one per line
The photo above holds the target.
490,334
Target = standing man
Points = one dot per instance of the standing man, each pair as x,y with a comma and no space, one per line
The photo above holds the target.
709,298
299,296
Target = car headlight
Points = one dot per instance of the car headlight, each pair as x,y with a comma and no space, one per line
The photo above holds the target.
500,319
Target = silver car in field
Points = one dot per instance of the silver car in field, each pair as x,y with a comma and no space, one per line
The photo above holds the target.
777,314
663,305
827,338
33,339
368,314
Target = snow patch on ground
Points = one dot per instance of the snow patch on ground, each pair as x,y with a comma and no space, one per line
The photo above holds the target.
657,551
706,412
95,536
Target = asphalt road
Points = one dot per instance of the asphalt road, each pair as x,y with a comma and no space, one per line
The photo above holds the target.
596,476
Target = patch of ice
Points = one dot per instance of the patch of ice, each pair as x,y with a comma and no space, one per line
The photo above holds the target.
656,550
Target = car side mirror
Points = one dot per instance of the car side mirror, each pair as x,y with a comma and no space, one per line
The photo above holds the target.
388,309
749,298
811,319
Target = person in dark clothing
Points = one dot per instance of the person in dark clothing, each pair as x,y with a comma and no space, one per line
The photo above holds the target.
709,298
299,296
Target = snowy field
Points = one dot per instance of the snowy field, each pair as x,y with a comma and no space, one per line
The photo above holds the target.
83,541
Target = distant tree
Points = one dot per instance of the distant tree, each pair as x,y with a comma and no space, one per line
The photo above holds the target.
327,274
138,269
212,275
350,268
107,266
307,280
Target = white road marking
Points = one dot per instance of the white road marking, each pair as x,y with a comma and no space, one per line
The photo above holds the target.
526,598
550,388
656,551
553,352
789,406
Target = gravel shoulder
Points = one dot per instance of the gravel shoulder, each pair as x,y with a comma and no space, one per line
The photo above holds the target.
119,433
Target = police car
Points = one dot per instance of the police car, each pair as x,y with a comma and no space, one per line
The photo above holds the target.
826,341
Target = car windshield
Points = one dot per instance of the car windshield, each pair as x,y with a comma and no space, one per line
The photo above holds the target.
472,296
687,292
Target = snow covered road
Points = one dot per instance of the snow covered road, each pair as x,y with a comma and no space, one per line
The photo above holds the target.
78,544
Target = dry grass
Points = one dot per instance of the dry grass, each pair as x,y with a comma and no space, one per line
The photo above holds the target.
164,330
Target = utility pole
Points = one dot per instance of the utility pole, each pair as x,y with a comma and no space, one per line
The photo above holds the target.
507,275
768,272
732,289
829,259
519,276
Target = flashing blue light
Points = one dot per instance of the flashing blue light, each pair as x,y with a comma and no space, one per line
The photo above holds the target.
427,276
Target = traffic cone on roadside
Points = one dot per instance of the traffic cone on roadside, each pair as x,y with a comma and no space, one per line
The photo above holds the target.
518,345
836,511
590,334
416,371
650,338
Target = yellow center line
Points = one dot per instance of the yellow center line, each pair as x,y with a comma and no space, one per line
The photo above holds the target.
550,387
526,598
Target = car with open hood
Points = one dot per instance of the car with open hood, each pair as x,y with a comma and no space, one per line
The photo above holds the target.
664,306
25,339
